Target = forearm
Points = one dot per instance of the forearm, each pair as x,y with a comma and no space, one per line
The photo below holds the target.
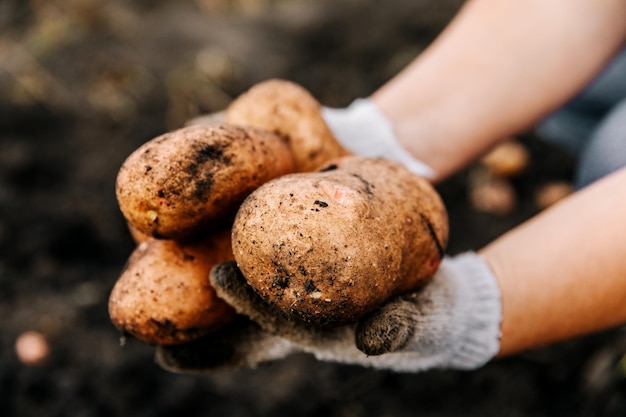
563,273
499,67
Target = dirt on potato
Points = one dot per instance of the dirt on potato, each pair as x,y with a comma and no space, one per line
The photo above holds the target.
164,297
191,180
84,83
290,111
330,246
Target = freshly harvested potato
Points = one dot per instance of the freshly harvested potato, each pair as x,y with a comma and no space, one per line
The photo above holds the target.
193,179
290,111
330,246
164,295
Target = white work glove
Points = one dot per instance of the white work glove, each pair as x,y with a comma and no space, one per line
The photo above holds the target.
453,322
363,129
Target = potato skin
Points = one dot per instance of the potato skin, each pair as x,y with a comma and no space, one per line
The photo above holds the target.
290,111
330,246
193,179
164,295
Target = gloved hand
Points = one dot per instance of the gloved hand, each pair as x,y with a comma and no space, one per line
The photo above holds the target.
363,129
453,322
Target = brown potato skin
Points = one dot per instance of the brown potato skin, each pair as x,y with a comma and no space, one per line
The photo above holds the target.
164,295
290,111
193,179
328,247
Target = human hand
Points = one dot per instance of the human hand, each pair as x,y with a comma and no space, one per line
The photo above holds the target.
452,322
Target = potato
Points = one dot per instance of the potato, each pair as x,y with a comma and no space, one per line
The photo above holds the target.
193,179
292,112
507,159
164,295
328,247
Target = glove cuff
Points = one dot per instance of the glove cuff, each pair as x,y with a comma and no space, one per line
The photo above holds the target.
476,335
363,129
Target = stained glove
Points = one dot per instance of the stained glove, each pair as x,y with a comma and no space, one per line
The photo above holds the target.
453,322
363,129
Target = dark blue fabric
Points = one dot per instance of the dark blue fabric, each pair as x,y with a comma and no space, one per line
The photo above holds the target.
592,126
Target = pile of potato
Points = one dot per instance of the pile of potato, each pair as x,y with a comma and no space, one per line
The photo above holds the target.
323,236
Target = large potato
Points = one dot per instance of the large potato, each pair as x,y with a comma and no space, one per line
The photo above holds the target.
290,111
328,247
164,295
193,179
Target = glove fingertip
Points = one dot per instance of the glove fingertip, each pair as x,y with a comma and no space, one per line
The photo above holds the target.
384,331
231,285
225,274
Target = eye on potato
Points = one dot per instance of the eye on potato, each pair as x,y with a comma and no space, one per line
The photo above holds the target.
328,247
164,295
290,111
193,179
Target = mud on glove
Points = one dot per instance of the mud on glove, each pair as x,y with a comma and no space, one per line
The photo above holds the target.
453,322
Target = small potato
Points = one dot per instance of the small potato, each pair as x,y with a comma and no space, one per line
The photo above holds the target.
292,112
164,295
328,247
193,179
507,159
551,193
496,196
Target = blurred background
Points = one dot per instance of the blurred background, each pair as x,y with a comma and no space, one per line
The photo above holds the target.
85,82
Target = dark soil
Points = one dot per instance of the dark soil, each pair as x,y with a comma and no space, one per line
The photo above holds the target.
85,82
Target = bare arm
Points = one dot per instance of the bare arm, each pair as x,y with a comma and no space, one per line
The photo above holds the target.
563,273
499,67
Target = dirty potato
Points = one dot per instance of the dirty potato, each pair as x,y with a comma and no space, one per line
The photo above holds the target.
164,295
328,247
290,111
193,179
